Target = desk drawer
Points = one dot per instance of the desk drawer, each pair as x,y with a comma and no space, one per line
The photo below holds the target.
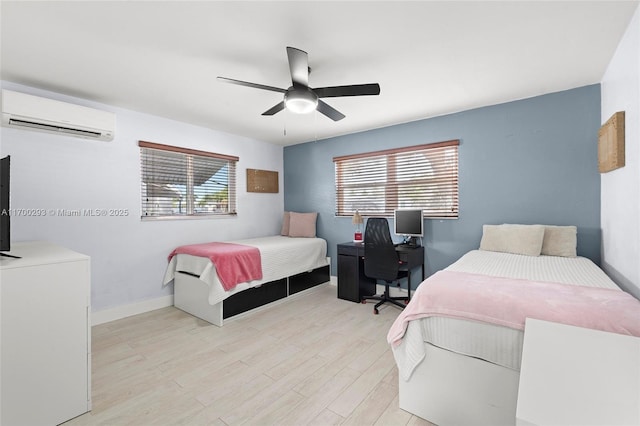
348,250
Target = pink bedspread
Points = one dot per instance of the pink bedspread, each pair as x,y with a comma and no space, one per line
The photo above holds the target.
508,302
235,263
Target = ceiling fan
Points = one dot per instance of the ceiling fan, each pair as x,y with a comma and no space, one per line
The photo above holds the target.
300,98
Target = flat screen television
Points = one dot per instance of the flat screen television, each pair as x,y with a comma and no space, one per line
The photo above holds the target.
409,223
5,219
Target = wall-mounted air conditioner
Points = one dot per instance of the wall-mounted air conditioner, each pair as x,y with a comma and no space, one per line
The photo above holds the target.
29,112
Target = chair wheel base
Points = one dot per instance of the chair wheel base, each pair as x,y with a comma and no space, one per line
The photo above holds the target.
375,311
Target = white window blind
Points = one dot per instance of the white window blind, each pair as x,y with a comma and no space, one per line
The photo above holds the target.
376,183
179,182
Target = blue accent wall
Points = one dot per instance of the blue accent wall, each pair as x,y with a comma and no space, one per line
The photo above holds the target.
528,161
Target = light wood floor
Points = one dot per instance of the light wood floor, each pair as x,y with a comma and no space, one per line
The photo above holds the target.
311,360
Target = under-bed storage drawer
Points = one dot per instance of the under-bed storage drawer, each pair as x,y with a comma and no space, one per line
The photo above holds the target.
309,279
254,297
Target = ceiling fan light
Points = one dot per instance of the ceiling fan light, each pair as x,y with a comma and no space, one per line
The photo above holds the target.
301,101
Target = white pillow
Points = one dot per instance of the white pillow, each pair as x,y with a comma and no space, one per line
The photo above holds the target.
560,241
517,239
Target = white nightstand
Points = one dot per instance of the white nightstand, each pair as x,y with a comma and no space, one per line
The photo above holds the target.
577,376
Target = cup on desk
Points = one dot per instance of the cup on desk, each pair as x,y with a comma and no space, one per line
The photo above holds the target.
357,237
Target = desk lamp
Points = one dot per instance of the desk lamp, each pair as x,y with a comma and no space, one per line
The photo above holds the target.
357,221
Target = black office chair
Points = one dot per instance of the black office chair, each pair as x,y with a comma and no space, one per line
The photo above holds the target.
381,261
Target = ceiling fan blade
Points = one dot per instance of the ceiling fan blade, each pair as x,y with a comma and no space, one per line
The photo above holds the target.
254,85
352,90
330,111
274,109
298,66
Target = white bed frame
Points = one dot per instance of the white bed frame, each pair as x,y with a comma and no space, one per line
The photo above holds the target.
191,295
447,388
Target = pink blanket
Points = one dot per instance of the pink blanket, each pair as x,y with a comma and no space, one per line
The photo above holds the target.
235,263
508,302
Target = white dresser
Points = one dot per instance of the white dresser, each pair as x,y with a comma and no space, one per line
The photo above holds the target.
577,376
45,335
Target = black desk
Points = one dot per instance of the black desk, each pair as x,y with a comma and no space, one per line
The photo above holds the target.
353,284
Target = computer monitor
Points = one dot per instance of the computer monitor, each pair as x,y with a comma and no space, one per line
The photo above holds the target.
409,223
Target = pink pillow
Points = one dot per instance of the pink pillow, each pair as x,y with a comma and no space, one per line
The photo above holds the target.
285,224
302,224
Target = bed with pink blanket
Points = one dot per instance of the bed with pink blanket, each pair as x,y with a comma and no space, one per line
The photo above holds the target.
458,344
216,280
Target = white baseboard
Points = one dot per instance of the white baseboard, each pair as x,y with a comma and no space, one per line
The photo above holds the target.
333,280
119,312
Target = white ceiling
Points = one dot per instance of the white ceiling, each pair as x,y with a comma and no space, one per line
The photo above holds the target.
430,58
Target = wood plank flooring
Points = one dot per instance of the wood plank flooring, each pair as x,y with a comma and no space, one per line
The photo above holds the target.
312,359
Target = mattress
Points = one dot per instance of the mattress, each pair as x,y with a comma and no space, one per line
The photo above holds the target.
565,270
493,343
281,257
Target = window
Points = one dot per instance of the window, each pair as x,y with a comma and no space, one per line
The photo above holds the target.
377,183
179,182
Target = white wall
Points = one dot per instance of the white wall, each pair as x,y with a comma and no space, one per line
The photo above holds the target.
620,189
128,256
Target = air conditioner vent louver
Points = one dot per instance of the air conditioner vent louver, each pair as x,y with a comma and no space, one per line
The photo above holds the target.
50,128
28,112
